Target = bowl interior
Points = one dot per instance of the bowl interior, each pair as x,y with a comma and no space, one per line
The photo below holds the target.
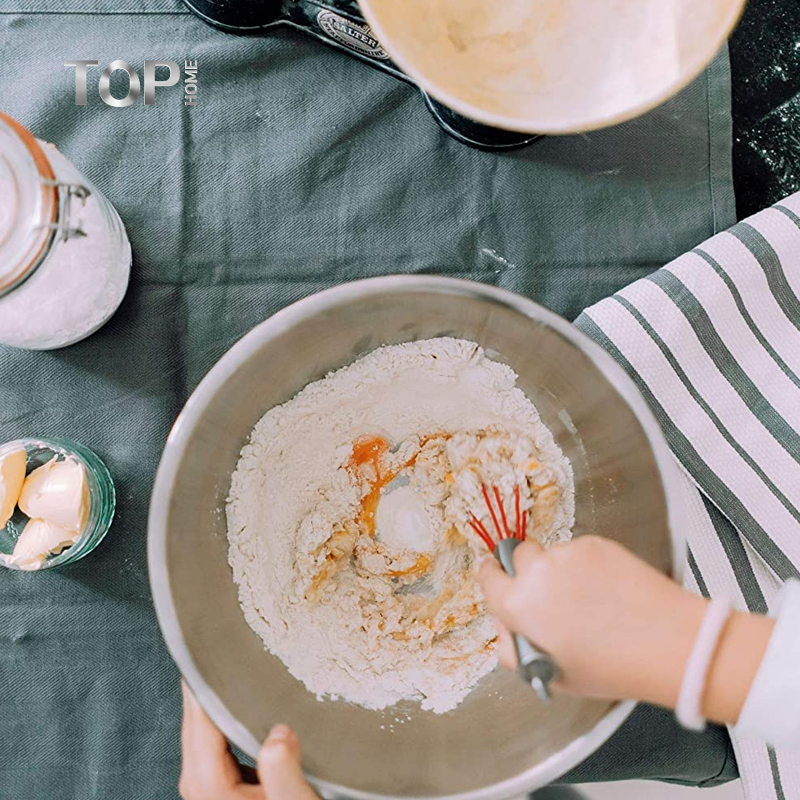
500,730
552,66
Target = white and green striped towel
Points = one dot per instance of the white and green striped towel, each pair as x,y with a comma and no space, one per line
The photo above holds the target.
713,342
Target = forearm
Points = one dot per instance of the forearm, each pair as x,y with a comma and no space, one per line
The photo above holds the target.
733,667
735,664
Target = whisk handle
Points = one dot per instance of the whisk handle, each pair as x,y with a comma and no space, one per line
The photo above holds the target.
535,666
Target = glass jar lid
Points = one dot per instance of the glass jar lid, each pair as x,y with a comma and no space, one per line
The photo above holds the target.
30,204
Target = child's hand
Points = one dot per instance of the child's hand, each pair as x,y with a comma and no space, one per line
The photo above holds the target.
617,627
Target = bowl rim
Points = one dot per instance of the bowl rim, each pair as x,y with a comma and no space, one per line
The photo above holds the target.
533,125
558,763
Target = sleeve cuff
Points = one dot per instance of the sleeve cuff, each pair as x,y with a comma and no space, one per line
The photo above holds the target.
771,711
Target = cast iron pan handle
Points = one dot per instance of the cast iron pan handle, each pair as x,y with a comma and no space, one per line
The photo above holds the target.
339,24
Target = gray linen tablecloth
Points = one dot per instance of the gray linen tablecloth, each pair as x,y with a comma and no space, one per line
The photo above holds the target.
299,168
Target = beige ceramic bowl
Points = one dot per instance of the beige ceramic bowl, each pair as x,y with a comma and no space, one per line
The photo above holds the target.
552,66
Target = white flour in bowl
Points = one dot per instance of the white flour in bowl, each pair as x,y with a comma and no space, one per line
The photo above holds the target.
349,520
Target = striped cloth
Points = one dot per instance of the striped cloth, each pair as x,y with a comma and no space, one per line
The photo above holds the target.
712,340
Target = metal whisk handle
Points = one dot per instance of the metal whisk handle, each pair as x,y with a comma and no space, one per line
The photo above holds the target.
535,667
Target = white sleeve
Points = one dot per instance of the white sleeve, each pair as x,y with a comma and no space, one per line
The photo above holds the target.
771,711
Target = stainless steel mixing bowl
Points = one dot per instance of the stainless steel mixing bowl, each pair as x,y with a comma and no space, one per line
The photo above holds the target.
501,740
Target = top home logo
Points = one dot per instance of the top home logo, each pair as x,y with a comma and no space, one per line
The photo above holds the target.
134,86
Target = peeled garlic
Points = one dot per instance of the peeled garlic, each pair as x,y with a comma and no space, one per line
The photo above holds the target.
12,476
58,493
39,538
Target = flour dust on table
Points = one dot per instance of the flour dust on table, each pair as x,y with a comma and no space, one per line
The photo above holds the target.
349,520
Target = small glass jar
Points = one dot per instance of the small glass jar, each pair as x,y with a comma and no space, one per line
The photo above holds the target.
102,498
64,255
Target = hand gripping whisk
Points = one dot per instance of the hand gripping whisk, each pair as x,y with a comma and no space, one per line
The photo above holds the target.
535,667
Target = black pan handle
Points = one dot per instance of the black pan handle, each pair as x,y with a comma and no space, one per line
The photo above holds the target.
340,24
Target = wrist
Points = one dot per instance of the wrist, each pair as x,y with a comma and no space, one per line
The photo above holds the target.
667,649
734,666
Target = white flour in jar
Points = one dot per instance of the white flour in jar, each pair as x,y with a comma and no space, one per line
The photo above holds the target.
349,520
82,281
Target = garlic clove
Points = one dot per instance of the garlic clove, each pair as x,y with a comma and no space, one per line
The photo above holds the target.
58,493
12,476
38,540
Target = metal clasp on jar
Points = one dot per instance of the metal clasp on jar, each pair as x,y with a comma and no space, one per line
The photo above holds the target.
64,226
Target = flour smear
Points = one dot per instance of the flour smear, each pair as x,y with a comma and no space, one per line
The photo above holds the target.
349,520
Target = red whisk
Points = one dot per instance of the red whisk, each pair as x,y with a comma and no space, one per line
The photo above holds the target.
503,532
534,666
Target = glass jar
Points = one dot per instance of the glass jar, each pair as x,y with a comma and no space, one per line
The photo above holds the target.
64,255
102,498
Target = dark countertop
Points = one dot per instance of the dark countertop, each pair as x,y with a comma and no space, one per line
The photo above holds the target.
765,67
